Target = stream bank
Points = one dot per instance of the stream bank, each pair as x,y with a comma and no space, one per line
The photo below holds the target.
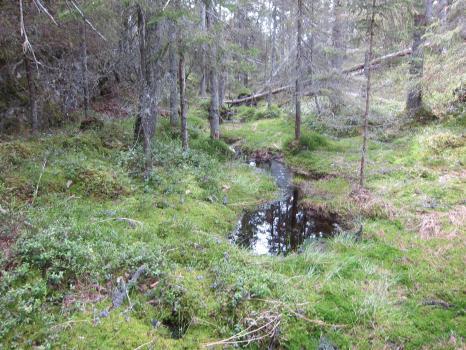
283,225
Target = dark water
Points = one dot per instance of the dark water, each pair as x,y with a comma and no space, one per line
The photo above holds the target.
280,227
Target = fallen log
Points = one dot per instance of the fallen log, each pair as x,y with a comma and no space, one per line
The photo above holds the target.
379,60
257,97
359,67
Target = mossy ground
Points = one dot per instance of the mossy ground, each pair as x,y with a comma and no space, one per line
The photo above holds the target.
364,295
75,216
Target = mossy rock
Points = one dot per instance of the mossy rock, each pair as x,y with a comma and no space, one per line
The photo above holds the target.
422,116
91,123
100,183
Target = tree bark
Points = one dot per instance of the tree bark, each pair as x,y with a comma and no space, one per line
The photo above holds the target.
173,74
368,94
33,114
203,26
146,119
214,114
272,55
84,68
183,106
429,10
337,56
298,89
414,99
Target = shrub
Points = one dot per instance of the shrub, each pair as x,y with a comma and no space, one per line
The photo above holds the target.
309,141
268,113
215,148
246,113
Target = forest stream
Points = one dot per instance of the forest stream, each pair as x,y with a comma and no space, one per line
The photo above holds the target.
280,226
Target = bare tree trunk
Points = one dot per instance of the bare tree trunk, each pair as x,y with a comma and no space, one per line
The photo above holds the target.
298,90
173,75
183,107
414,99
337,54
368,94
145,121
429,10
221,87
203,25
214,114
84,69
272,55
33,114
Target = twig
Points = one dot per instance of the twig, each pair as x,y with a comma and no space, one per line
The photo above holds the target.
68,323
166,4
40,177
41,7
86,20
145,344
133,223
241,334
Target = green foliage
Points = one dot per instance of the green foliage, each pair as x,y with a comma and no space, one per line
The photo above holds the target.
202,287
442,141
309,141
216,148
248,114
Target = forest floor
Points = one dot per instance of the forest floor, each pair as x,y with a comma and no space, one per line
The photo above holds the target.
77,221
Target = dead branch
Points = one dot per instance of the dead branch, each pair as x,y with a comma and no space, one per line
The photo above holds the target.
263,95
86,20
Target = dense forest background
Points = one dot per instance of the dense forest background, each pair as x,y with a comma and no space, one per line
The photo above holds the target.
126,129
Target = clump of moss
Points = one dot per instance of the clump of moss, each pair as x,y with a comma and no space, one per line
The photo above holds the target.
216,148
248,114
422,116
309,141
14,153
444,140
100,183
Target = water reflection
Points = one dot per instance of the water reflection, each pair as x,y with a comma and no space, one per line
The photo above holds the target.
280,227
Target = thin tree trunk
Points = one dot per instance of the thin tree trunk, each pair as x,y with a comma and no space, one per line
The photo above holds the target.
173,75
272,55
414,99
84,69
214,114
429,10
222,77
203,25
368,94
221,87
33,114
298,89
145,121
183,106
337,55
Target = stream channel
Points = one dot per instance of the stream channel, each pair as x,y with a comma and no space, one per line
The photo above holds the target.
281,226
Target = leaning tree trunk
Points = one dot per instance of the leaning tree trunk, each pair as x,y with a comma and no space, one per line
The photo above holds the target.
33,114
298,89
183,107
173,75
368,94
414,99
84,68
